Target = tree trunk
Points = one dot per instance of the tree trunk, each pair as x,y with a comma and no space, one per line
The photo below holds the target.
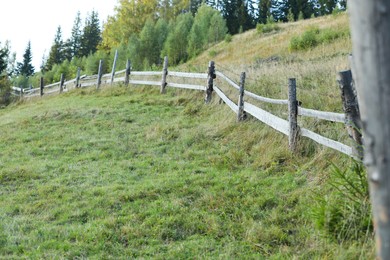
370,30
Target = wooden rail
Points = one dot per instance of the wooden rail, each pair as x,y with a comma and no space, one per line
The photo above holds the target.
277,123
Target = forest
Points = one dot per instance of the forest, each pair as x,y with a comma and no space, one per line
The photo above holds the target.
146,31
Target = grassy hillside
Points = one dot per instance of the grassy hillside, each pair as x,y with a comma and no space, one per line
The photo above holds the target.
129,173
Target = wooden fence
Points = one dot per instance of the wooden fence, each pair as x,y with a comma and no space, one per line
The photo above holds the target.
288,127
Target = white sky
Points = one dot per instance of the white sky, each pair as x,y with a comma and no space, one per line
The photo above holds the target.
37,21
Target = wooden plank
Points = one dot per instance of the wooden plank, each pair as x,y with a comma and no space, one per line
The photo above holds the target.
144,82
99,75
28,91
119,72
210,81
127,72
231,82
16,89
293,137
164,75
62,82
329,116
77,80
120,79
87,84
41,87
266,100
52,85
327,142
188,75
273,121
241,115
52,91
228,102
252,95
114,67
107,75
93,77
353,122
186,86
146,73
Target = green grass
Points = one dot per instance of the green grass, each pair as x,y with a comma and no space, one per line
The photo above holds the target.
129,173
125,173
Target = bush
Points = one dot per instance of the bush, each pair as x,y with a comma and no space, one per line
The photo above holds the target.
344,212
314,36
267,28
228,38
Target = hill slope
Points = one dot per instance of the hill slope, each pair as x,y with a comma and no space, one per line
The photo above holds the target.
123,173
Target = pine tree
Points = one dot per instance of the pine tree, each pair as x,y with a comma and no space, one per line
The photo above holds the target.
75,38
25,68
264,10
237,15
56,55
229,12
4,53
91,36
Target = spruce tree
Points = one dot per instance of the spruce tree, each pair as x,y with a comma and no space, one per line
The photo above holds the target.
25,68
56,55
4,53
91,36
75,38
264,10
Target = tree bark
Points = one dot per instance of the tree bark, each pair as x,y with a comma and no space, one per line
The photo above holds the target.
370,30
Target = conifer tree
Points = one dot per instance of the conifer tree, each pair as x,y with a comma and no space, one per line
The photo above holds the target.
56,55
264,10
4,53
25,68
75,39
91,36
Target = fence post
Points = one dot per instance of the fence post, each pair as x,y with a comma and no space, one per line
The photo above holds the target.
164,75
293,115
78,77
62,83
210,81
113,67
241,113
100,73
21,92
353,122
41,86
128,71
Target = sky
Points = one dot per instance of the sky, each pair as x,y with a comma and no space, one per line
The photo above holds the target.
37,21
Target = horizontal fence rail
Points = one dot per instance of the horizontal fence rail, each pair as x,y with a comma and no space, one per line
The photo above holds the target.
123,76
329,116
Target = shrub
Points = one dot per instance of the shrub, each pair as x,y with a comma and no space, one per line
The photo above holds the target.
267,28
344,213
228,38
314,36
212,53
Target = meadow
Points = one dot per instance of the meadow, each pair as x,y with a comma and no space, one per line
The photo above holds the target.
130,173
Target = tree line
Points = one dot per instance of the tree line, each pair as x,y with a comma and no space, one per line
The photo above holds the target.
147,30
